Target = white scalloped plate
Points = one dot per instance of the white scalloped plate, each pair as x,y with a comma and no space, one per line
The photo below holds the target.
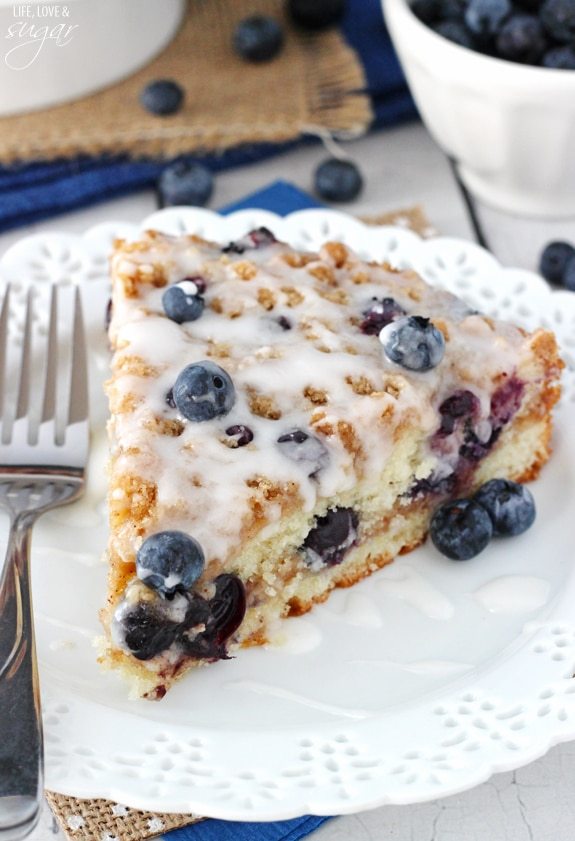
410,686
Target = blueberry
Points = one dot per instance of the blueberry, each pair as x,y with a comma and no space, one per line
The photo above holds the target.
462,404
258,38
338,181
316,14
242,434
453,9
510,506
203,391
284,322
427,11
182,302
461,529
457,32
145,624
225,612
521,38
330,538
506,400
413,342
185,182
258,238
485,17
169,562
162,97
379,314
554,259
558,19
305,449
559,58
569,275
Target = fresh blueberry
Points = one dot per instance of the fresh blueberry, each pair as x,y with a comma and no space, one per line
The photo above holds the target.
305,449
162,97
258,238
413,342
185,182
521,38
316,14
485,17
203,391
460,405
182,302
510,506
453,9
379,314
258,38
554,259
558,19
169,562
457,32
569,275
145,624
337,180
226,609
330,538
427,11
461,529
530,5
559,58
242,434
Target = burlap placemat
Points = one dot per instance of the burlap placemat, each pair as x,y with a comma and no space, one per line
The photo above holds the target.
103,820
314,84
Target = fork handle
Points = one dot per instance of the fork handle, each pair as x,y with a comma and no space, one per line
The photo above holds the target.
21,750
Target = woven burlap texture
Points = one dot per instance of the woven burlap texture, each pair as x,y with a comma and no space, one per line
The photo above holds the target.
314,85
103,820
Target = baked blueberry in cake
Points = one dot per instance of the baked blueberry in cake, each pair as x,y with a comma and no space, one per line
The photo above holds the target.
283,423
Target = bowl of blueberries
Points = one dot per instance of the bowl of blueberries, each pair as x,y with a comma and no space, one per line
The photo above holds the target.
494,81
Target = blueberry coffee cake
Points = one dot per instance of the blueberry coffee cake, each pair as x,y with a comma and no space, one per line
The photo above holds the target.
283,423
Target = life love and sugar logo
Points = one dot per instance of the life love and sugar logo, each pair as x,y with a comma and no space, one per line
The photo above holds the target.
34,29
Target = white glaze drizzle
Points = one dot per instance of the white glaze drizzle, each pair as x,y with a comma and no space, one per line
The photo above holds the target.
513,594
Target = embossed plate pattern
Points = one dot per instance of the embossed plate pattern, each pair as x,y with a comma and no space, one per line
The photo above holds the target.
415,684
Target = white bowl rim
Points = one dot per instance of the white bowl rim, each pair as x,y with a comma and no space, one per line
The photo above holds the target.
477,61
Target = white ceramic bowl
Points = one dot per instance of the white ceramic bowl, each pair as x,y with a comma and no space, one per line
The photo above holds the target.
509,127
43,62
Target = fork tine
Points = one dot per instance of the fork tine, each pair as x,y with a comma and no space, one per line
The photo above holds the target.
78,405
23,403
51,376
4,344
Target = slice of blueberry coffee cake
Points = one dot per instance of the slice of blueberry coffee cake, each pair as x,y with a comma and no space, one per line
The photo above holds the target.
283,423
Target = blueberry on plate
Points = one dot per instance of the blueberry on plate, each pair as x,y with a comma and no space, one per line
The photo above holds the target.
338,180
569,275
169,562
185,182
258,38
330,538
304,449
379,313
453,9
162,97
554,259
203,391
559,58
558,19
461,529
455,31
485,17
521,39
427,11
316,14
413,342
510,506
182,302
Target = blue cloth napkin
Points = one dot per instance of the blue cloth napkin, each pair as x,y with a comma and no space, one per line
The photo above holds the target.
280,197
37,191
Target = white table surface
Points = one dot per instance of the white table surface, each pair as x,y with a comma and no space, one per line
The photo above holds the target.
401,168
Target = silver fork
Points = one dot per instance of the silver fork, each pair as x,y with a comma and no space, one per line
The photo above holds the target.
43,455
